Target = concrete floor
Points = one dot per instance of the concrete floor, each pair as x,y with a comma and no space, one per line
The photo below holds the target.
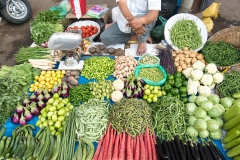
12,37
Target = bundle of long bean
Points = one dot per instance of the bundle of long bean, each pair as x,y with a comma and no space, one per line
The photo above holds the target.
25,53
132,116
220,53
230,84
92,119
68,138
166,60
169,115
185,33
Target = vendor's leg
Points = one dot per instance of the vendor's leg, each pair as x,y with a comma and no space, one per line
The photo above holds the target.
142,39
113,35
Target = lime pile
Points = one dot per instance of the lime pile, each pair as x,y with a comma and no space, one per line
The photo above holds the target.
151,93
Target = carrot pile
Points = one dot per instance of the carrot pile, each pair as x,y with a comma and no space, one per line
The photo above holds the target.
121,146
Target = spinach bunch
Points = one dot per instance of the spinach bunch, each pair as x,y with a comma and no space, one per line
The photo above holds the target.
15,82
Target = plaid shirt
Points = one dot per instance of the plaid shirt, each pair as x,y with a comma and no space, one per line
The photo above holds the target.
136,7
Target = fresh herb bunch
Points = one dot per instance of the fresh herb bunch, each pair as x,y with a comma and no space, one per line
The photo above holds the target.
41,32
47,16
14,86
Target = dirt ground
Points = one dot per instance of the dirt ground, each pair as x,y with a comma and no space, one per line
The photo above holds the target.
12,37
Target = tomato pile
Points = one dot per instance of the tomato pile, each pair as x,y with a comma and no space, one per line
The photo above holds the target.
87,31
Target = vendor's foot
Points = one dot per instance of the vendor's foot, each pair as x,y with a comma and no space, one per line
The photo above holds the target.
142,48
108,25
149,40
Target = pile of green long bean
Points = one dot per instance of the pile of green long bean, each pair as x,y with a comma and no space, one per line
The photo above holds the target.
80,93
185,33
131,116
230,84
153,74
92,119
98,67
169,115
220,53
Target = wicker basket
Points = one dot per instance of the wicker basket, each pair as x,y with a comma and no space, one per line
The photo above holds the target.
230,35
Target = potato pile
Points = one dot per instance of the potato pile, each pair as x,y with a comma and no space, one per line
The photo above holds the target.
185,58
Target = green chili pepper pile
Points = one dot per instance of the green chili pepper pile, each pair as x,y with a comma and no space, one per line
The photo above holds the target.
169,114
92,119
221,53
98,67
80,93
230,84
131,116
152,74
185,33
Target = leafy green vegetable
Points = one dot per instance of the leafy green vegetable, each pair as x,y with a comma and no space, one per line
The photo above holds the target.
47,16
14,86
42,31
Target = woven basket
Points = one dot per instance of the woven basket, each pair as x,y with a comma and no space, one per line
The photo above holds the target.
230,35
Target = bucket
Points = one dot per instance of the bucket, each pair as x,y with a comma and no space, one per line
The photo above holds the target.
114,14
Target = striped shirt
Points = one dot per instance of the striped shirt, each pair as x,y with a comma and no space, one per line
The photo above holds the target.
136,7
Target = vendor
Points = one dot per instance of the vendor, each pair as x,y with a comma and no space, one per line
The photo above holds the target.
136,18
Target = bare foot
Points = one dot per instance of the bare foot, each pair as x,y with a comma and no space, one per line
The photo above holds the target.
108,25
149,39
134,38
142,48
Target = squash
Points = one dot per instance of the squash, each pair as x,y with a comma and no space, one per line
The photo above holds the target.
116,96
118,85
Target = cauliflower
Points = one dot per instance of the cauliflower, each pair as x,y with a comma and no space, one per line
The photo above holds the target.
211,68
191,81
218,77
207,79
187,72
204,90
192,89
196,74
198,65
212,85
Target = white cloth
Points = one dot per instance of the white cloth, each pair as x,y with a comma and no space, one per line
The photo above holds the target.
136,7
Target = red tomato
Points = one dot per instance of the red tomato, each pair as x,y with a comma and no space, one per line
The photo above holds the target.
84,31
90,33
87,26
87,35
89,30
94,31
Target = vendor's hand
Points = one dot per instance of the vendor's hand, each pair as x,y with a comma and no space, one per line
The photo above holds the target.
135,23
140,31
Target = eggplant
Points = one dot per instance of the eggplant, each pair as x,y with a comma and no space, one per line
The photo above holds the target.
207,152
179,148
15,118
166,150
160,150
19,109
213,152
174,149
172,153
188,154
22,120
217,150
201,151
193,152
26,101
28,115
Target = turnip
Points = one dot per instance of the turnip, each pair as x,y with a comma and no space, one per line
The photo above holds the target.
116,96
118,85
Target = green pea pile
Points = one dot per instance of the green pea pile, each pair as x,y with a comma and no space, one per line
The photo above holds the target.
98,67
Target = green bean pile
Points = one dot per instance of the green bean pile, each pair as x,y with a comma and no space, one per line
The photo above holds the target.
92,119
220,53
131,116
230,84
185,33
80,93
153,74
169,115
148,59
98,67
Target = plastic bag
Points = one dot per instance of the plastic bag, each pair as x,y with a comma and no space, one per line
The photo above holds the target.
208,23
62,11
97,11
152,83
211,11
158,32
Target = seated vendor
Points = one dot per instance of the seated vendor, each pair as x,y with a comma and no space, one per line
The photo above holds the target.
136,18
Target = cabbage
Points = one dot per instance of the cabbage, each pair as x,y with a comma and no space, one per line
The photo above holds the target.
200,99
191,120
200,113
216,111
214,98
219,121
212,125
207,118
191,108
203,134
200,125
226,102
192,132
216,134
207,105
192,99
